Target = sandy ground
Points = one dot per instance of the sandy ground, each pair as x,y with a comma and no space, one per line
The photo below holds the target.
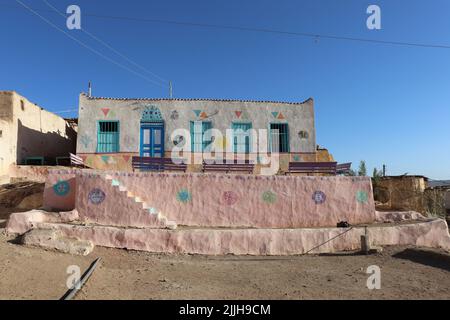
406,273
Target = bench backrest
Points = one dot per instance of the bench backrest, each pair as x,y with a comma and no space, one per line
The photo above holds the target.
157,164
313,167
246,166
343,168
76,161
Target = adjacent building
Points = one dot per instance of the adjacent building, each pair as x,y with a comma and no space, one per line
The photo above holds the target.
30,133
112,130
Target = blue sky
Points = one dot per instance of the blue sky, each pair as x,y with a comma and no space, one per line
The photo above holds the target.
386,104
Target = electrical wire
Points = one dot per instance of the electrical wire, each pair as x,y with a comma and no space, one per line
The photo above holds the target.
110,47
88,47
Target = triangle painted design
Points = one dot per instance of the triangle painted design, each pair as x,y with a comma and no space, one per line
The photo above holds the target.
280,116
238,113
105,111
275,114
203,115
126,158
105,159
197,112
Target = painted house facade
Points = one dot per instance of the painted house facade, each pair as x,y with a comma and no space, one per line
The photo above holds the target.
112,130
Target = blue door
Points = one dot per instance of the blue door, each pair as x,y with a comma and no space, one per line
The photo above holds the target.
152,140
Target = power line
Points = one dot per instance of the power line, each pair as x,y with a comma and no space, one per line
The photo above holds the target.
264,30
88,47
272,31
110,47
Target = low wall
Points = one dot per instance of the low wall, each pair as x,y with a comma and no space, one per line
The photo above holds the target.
432,234
60,190
219,200
30,173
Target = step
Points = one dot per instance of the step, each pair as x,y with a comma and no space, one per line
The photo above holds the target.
172,225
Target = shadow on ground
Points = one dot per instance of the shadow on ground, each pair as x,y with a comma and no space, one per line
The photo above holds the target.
428,258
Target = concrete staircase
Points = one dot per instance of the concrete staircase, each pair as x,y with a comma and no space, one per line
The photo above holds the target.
145,206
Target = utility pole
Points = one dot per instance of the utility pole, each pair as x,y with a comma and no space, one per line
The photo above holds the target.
170,90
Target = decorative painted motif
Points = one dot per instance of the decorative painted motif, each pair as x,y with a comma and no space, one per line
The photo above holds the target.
362,197
61,188
184,196
126,158
319,197
105,159
85,140
105,111
238,113
269,197
275,114
296,158
129,140
280,116
151,113
203,115
197,112
303,134
90,161
96,196
174,115
229,198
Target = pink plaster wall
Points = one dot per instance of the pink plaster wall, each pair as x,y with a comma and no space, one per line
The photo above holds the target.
117,209
60,201
218,200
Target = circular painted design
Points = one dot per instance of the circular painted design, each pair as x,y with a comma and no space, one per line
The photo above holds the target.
269,197
96,196
61,188
319,197
361,196
296,158
230,197
184,196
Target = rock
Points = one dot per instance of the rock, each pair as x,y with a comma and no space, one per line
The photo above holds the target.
13,194
54,239
33,201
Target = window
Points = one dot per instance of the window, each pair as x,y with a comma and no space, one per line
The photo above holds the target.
279,137
22,105
108,136
200,136
241,137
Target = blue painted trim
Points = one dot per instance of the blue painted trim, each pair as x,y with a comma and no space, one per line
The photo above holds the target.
116,136
155,125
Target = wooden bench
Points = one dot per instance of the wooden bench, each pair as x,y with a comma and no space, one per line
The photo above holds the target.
157,164
245,167
343,168
77,161
312,167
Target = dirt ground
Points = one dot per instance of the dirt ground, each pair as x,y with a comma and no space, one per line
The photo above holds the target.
406,273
